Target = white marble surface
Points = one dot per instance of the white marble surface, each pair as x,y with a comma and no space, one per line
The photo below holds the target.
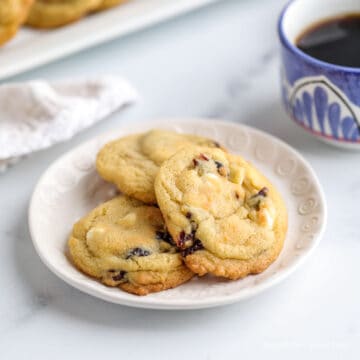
220,61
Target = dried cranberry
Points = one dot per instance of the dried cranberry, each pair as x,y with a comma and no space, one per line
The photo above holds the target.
263,192
137,252
119,276
183,238
195,247
256,199
164,236
204,157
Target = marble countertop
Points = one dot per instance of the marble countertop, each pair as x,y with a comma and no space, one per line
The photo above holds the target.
220,61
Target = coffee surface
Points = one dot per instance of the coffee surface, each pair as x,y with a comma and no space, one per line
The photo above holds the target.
336,40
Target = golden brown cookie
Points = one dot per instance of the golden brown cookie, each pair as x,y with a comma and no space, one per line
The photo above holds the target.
54,13
132,162
123,243
12,15
227,218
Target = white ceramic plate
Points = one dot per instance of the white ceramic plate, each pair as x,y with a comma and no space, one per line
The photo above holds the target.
31,48
71,187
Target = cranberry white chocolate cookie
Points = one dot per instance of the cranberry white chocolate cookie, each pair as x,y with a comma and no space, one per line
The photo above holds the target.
123,243
55,13
226,217
12,15
132,162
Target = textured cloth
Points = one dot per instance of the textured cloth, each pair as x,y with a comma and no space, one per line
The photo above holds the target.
38,114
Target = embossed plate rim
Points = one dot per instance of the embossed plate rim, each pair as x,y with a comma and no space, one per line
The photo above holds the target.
167,299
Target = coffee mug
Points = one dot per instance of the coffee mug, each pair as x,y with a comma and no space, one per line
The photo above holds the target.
322,98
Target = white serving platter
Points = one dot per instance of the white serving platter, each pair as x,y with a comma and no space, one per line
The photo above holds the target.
32,48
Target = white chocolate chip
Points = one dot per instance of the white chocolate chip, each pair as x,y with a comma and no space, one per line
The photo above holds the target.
129,220
269,219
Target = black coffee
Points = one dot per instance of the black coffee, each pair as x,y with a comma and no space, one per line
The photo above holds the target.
335,41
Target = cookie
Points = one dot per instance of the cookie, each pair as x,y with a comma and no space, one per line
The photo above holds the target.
12,15
106,4
227,218
54,13
132,162
123,243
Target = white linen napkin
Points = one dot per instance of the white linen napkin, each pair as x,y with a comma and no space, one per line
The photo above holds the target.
38,114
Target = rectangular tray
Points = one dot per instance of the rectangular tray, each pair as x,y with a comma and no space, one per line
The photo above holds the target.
32,48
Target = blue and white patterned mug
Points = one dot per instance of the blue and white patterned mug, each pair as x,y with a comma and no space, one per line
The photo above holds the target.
321,97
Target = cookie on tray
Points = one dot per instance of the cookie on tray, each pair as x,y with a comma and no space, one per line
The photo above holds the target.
132,162
12,15
123,243
227,218
54,13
